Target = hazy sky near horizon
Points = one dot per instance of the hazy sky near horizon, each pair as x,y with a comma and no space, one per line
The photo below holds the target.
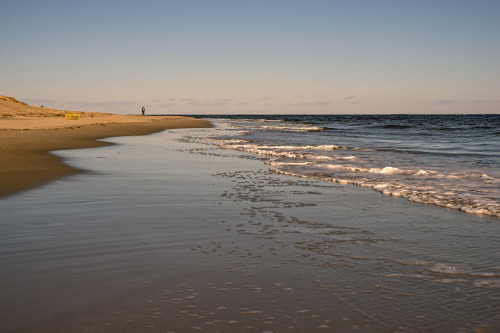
253,56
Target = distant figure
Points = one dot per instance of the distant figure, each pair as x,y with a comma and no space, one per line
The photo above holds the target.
143,110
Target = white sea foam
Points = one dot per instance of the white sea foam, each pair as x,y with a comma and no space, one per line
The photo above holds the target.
453,269
319,157
272,163
293,128
280,147
450,185
387,170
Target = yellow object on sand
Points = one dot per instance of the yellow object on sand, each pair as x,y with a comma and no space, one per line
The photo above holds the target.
72,116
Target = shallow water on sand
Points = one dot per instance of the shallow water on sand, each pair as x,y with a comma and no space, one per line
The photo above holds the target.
168,233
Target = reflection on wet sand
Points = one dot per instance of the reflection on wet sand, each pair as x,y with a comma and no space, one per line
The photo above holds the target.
284,254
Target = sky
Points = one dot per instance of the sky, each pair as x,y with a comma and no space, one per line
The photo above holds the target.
253,56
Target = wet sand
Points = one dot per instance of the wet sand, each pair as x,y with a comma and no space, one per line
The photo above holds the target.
28,134
204,239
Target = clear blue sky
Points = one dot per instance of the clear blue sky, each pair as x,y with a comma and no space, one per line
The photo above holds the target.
253,56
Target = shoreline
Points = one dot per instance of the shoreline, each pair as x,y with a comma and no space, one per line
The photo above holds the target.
29,134
204,238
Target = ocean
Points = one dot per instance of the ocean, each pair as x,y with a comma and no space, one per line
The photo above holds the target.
174,232
451,161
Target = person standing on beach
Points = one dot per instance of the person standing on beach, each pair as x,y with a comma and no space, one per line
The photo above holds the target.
143,110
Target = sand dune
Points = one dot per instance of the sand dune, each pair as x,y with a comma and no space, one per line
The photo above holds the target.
29,133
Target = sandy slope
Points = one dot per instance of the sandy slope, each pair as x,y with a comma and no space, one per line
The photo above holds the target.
29,133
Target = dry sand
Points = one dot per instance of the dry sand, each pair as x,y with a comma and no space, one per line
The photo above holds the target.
29,133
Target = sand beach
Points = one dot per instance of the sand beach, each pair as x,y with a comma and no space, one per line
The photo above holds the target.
29,133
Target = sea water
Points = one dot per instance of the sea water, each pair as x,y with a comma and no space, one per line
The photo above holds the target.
171,232
451,161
